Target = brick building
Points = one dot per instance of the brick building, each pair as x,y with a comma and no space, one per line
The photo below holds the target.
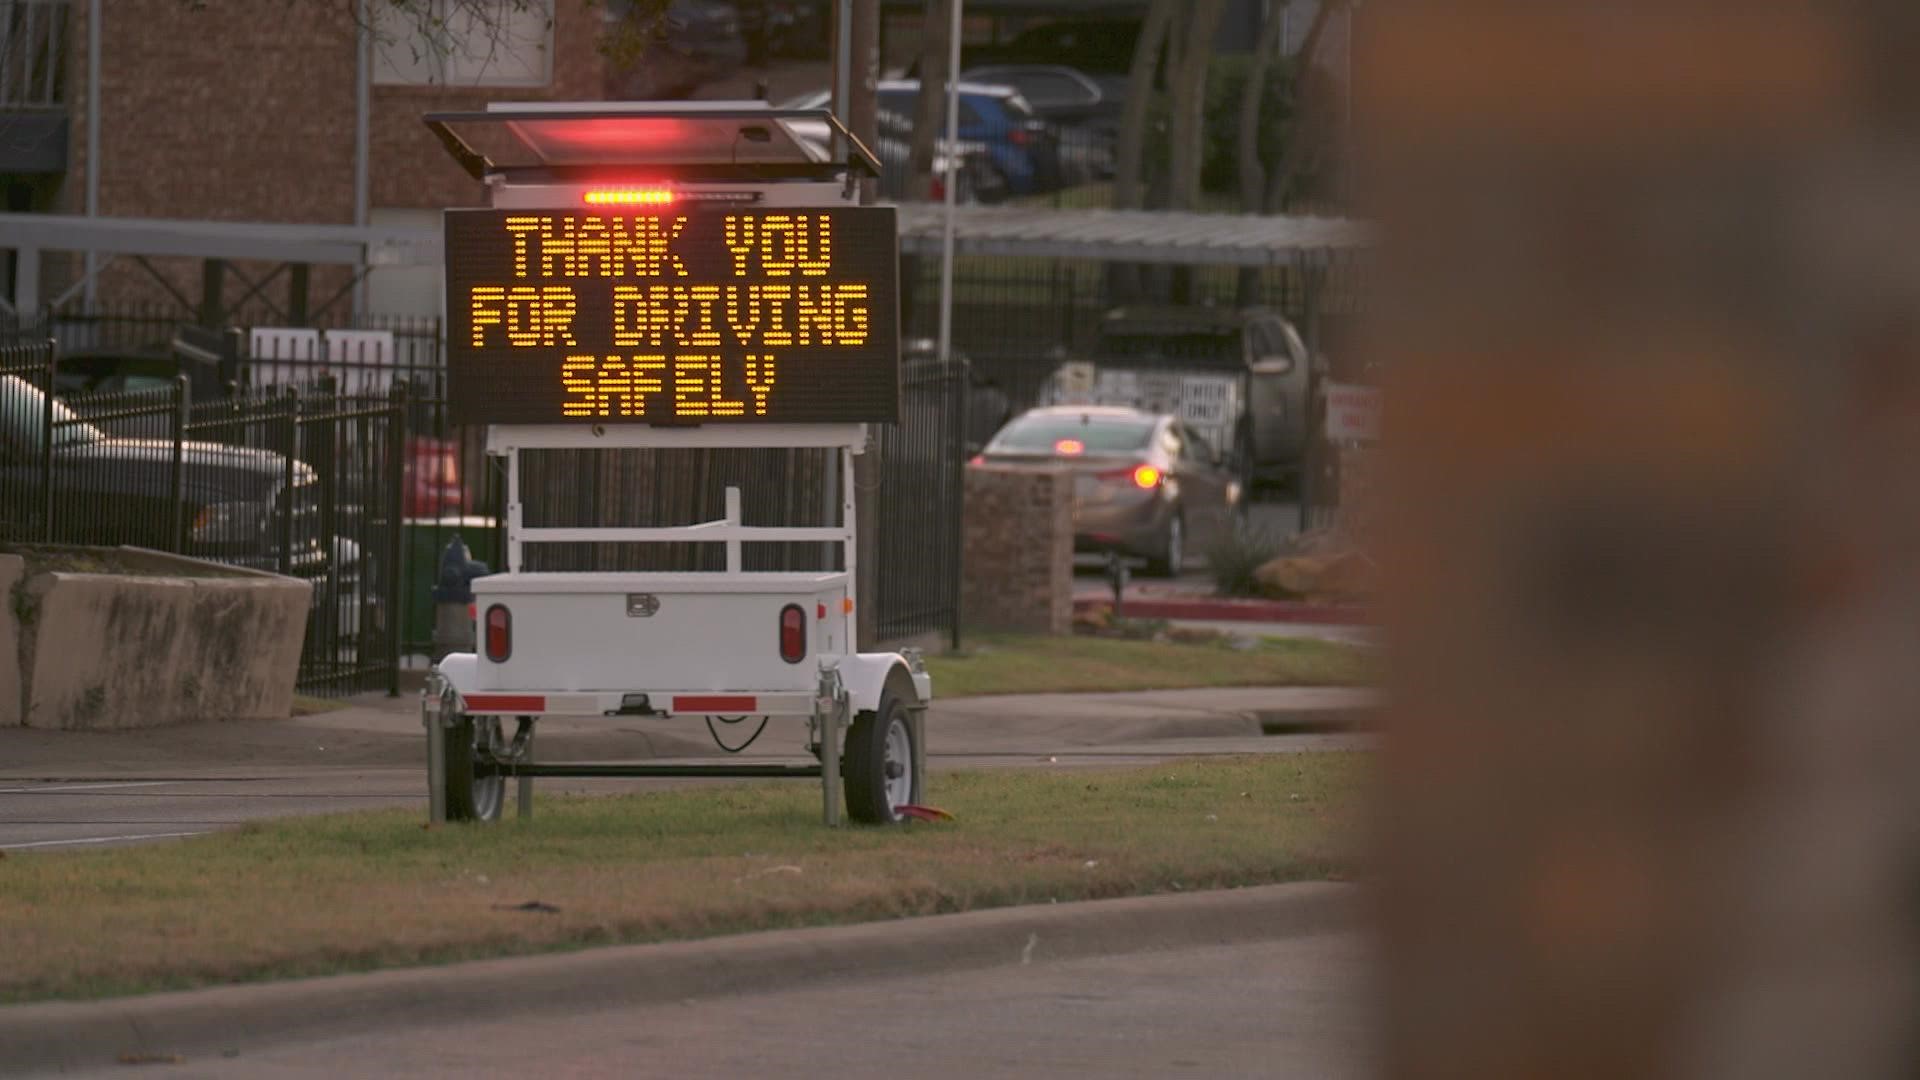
248,111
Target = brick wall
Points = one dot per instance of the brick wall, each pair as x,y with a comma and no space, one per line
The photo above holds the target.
240,110
1017,559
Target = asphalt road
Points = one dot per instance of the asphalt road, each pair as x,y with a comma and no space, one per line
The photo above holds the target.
1279,1009
67,790
71,814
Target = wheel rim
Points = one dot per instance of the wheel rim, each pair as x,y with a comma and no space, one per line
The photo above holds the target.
898,764
1175,546
491,788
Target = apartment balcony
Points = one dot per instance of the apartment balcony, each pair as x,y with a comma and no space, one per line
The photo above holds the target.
36,58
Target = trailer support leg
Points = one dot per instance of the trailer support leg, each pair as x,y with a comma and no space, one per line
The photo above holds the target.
833,721
525,800
432,704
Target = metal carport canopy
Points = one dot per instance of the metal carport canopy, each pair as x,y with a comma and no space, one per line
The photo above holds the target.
1134,236
270,242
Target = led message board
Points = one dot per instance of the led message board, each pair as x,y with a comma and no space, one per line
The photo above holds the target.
664,315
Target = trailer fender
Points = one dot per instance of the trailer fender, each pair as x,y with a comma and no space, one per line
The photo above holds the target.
865,675
461,670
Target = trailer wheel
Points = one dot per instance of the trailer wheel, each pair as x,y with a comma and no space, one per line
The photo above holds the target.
878,764
474,791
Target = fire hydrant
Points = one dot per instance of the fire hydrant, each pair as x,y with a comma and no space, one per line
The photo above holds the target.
453,613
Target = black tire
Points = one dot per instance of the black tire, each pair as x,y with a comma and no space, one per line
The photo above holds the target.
1171,557
865,767
471,796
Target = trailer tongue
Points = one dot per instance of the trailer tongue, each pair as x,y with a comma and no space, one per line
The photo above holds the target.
659,279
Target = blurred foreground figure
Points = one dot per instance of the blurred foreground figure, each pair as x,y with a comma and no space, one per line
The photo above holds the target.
1650,301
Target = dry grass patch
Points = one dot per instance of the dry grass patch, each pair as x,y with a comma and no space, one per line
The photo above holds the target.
358,891
1031,664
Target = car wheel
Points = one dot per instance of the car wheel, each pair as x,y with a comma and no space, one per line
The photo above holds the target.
1173,551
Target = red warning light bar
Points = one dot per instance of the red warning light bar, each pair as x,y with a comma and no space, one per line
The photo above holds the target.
629,197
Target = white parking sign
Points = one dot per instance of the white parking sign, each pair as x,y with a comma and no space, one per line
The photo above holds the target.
1353,413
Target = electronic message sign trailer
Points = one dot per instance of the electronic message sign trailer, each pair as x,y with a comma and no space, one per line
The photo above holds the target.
655,277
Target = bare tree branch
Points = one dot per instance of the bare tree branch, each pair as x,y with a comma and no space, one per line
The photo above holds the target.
1133,117
1187,127
1252,96
1307,129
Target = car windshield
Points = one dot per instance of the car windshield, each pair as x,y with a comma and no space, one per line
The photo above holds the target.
1092,432
23,418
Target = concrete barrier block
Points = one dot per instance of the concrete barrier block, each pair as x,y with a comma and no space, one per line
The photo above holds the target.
13,571
111,651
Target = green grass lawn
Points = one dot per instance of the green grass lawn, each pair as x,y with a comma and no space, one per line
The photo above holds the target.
1034,664
309,896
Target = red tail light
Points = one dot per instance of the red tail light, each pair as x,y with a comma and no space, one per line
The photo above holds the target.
1144,477
938,192
499,634
1019,136
793,634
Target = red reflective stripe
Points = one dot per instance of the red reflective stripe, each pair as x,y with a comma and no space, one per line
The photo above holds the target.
716,703
506,703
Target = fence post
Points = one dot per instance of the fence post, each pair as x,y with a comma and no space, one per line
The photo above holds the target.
396,506
292,450
46,441
960,383
176,477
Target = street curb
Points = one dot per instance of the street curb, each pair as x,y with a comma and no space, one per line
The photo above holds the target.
220,1020
1350,719
1226,610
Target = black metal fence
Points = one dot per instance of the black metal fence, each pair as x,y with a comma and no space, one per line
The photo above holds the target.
448,488
299,480
921,469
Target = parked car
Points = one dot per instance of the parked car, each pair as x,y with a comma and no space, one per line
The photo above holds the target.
980,181
1024,149
432,481
1085,108
1267,440
153,365
1144,484
115,489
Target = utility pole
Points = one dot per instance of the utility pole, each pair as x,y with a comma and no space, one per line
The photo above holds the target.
861,114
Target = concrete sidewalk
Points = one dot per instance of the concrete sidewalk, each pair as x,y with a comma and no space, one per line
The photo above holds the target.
376,731
226,1021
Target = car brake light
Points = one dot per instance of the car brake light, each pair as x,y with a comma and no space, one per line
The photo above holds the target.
499,634
793,634
1144,477
977,459
630,197
1069,447
1019,136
